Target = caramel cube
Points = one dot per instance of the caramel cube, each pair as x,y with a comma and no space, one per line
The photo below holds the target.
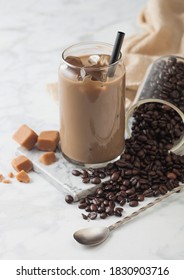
48,158
26,137
10,175
22,163
6,181
1,177
48,140
23,177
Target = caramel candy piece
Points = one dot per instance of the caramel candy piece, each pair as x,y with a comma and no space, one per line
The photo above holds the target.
48,158
22,163
10,175
6,181
1,177
26,137
23,177
48,140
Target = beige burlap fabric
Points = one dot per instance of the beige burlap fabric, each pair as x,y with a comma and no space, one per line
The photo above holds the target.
162,22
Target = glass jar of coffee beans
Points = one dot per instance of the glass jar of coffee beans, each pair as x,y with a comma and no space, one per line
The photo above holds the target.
158,109
164,80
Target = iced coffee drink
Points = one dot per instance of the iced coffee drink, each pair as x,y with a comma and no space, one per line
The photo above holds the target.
92,105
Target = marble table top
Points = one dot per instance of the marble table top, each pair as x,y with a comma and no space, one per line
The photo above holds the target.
35,221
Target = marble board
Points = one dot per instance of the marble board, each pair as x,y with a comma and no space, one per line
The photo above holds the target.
59,174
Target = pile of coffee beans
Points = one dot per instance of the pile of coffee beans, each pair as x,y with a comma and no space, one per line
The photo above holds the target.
166,81
146,168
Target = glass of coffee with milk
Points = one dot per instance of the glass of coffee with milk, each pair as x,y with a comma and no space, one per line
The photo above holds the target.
92,103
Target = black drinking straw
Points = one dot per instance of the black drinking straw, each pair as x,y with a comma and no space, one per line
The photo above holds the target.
115,52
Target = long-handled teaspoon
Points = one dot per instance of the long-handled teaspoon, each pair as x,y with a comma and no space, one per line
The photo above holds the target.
96,235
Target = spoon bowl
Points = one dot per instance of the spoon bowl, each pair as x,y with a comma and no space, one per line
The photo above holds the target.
91,236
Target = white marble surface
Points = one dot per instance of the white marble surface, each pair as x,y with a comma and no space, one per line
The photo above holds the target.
59,173
35,222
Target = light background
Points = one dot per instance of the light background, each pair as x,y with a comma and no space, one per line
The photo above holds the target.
35,222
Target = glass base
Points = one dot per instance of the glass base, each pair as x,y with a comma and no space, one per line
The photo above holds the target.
90,165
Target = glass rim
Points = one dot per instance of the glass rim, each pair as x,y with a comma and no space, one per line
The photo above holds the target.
168,56
88,67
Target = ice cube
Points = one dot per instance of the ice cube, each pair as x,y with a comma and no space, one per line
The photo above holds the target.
71,73
82,74
74,60
93,59
104,60
97,75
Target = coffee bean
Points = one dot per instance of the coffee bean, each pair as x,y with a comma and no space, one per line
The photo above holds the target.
163,189
156,193
106,202
82,206
96,201
93,207
120,209
122,202
92,215
108,187
84,216
96,180
128,172
88,209
148,193
119,198
87,201
171,175
117,213
76,173
132,197
142,138
102,175
101,209
84,174
111,203
140,197
115,176
103,215
99,192
86,180
133,203
125,182
111,197
109,210
130,191
69,199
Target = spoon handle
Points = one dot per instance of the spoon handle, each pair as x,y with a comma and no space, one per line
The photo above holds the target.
142,209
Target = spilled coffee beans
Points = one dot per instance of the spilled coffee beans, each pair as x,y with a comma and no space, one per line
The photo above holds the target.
146,168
